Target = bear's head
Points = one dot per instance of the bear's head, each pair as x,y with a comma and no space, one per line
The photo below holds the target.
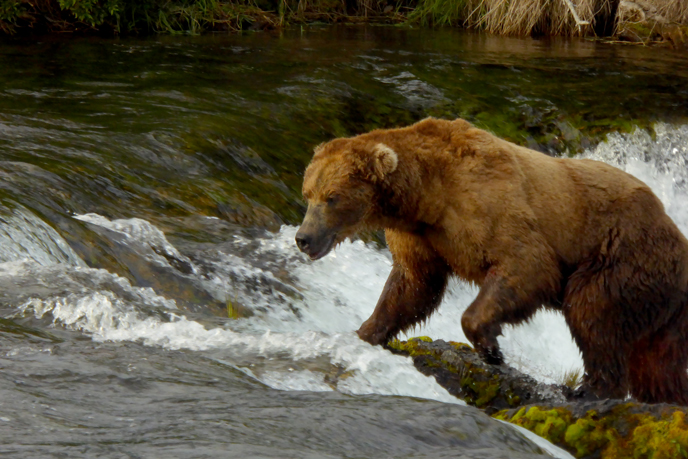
341,185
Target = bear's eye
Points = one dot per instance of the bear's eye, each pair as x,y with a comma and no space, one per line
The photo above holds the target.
332,199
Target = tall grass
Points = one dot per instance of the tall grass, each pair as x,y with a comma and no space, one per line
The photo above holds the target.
672,10
519,17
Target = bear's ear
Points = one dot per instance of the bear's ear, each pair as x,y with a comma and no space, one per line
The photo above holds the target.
385,160
318,149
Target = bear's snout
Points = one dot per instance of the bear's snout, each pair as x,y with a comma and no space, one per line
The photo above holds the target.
303,242
315,238
315,246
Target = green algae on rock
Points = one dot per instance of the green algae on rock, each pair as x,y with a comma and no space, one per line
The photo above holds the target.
459,369
610,429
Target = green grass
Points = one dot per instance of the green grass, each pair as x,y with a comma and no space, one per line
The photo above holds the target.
439,13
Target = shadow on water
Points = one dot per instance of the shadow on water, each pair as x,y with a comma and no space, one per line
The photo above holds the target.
140,181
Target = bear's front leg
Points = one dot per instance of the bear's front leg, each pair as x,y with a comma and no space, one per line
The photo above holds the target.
406,299
412,292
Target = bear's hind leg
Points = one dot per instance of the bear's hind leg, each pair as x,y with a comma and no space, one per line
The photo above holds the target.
596,327
659,366
506,299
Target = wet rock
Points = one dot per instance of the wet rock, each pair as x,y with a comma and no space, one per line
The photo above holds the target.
246,212
143,263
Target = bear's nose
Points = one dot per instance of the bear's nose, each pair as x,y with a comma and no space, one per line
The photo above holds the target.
303,242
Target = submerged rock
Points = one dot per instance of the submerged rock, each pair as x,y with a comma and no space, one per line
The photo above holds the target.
587,429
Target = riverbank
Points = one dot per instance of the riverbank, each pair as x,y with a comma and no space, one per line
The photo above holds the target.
640,21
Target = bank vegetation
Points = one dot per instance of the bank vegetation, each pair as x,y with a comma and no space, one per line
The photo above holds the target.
644,19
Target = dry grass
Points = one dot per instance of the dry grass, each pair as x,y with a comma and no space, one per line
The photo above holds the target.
520,17
572,378
672,10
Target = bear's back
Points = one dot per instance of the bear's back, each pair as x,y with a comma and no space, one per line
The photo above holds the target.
578,201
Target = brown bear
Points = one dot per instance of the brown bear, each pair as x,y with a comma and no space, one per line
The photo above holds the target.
531,230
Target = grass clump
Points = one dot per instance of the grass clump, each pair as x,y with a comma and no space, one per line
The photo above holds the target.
522,17
572,378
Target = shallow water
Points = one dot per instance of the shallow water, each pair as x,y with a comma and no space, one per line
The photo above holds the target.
152,301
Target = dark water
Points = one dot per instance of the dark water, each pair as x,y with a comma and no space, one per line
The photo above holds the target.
151,305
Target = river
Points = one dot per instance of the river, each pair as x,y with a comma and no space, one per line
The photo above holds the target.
152,301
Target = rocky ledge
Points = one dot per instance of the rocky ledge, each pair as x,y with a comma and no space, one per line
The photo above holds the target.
587,429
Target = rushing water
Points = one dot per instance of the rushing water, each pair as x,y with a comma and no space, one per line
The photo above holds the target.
152,302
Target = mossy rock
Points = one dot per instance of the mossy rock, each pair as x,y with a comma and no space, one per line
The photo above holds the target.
610,429
459,369
607,429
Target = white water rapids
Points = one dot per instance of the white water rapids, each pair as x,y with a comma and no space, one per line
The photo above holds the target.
300,336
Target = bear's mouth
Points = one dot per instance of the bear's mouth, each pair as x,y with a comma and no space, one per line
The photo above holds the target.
325,250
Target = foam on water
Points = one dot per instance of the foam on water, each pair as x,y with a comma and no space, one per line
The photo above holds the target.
106,316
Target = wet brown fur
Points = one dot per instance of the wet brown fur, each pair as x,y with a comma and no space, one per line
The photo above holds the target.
531,230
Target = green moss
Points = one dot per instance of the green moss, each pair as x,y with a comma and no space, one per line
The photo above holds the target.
582,436
410,347
549,424
478,386
511,398
656,439
486,391
644,436
587,435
